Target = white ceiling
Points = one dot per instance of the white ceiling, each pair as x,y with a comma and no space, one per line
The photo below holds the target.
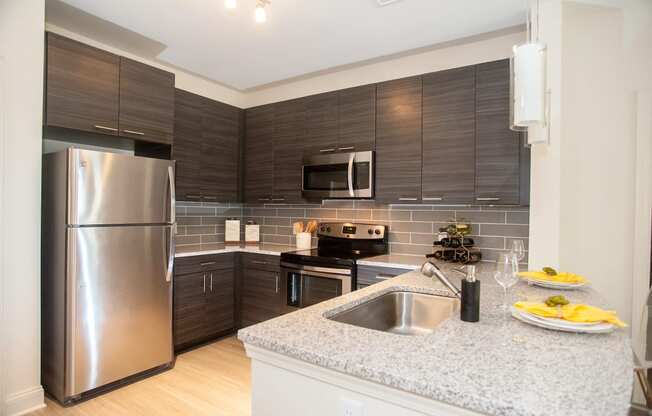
300,36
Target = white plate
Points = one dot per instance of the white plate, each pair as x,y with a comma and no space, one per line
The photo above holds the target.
555,285
599,328
556,321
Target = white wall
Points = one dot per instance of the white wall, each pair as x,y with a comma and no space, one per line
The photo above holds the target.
582,205
183,80
480,49
21,57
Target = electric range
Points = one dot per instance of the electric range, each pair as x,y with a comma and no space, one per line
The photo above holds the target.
330,270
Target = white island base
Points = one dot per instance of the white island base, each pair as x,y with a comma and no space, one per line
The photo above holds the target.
290,387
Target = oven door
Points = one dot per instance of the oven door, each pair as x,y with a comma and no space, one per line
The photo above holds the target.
339,175
303,286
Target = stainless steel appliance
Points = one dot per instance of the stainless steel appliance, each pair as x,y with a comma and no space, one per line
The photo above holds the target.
339,175
108,253
312,276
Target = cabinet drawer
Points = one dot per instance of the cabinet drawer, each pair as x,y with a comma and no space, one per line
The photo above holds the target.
261,262
368,275
196,264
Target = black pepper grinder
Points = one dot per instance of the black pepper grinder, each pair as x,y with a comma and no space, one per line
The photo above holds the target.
470,311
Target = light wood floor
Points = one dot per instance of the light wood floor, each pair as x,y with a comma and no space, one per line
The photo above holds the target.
213,380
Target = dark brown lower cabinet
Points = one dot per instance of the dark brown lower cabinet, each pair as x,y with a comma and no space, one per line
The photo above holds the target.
204,300
261,291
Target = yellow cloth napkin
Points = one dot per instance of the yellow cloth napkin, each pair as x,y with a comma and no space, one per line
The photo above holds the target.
563,277
572,312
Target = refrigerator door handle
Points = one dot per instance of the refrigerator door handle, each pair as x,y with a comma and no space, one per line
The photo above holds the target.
172,245
173,195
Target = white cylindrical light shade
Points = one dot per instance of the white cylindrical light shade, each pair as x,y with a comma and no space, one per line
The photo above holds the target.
230,4
529,83
260,14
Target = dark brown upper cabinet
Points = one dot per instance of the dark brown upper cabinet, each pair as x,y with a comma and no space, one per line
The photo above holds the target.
321,126
259,154
288,136
398,141
82,87
206,148
498,149
187,146
357,119
91,90
220,152
448,174
146,102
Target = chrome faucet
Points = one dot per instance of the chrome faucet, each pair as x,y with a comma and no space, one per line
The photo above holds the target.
430,269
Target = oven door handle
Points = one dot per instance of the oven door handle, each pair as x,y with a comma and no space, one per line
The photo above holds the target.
350,174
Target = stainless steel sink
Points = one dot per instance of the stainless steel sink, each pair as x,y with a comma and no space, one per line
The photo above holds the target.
405,313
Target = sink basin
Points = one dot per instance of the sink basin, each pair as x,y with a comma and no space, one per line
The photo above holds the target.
404,313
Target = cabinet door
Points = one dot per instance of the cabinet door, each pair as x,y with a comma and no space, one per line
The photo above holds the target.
321,124
146,102
497,147
186,149
398,141
357,119
288,138
448,174
82,86
259,155
220,152
189,308
261,296
220,301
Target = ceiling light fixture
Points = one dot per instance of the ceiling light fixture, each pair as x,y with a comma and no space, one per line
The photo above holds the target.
230,4
261,14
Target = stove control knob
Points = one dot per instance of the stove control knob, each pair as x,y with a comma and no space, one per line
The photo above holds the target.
322,229
370,231
328,229
377,232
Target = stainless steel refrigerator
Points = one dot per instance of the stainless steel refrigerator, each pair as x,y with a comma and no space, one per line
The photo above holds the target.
108,254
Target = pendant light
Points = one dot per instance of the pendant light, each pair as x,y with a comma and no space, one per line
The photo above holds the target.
260,14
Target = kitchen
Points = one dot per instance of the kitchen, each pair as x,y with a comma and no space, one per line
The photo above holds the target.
261,223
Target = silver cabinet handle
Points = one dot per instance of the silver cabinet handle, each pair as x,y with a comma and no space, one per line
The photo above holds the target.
350,174
191,196
487,199
407,199
263,199
433,198
137,133
326,150
277,278
211,283
341,149
278,199
99,127
210,198
259,262
208,263
204,289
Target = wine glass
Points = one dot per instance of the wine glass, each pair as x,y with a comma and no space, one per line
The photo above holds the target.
506,274
518,249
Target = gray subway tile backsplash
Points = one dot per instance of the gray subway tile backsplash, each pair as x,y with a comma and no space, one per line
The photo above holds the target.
412,228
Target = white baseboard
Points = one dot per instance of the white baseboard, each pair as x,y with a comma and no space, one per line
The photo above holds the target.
25,401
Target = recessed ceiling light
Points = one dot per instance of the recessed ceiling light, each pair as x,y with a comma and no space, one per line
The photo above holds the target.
386,2
230,4
261,14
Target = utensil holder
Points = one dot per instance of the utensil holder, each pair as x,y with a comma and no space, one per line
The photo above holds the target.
304,241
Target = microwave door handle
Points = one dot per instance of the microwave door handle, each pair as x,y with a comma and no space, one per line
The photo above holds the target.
173,196
350,172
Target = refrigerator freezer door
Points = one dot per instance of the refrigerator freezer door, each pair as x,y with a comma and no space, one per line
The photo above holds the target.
119,304
113,189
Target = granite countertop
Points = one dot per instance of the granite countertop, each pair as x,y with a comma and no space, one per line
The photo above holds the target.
399,261
498,366
262,248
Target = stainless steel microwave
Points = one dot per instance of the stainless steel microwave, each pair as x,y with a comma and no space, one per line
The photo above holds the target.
339,175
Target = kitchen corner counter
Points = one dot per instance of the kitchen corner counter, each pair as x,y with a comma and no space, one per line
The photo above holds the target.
263,248
498,366
398,261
